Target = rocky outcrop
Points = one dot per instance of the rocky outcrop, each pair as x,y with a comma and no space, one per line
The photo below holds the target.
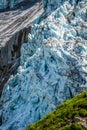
14,28
53,67
10,55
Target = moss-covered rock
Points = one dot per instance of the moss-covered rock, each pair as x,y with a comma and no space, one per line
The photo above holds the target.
63,118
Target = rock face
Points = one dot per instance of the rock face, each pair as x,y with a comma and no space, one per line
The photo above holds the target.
14,28
53,67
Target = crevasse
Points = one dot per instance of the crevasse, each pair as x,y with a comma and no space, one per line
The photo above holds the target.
53,66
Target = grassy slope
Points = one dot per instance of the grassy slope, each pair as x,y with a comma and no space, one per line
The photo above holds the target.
63,118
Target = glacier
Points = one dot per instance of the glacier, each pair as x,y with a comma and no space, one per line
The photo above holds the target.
4,4
53,65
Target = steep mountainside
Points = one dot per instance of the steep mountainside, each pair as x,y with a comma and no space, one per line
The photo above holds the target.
53,65
71,115
14,28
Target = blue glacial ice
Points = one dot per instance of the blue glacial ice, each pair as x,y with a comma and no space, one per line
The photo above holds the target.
9,3
53,67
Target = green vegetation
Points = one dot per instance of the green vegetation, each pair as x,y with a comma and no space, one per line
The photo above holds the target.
64,118
73,127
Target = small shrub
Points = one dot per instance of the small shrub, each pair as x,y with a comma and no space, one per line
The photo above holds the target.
83,112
